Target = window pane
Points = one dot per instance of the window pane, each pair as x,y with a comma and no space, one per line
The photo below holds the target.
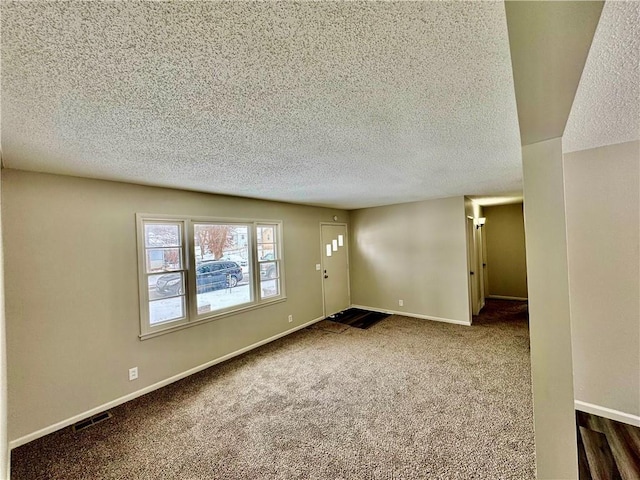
266,234
268,270
221,242
168,285
266,252
270,288
162,235
267,256
222,273
222,287
166,310
211,301
163,259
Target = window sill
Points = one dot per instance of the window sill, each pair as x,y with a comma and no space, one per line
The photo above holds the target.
218,316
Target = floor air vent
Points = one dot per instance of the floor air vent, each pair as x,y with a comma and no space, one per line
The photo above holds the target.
87,422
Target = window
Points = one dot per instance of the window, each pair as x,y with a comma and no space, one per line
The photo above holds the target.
268,260
164,272
194,269
221,285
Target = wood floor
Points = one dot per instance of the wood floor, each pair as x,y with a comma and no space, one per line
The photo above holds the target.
607,450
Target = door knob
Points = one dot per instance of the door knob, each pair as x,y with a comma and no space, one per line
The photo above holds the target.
471,273
326,276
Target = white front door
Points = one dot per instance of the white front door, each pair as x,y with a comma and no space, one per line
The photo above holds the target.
335,268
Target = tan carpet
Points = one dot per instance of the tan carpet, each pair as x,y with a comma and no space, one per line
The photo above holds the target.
330,326
406,399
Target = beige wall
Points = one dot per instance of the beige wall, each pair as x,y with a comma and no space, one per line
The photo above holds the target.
603,233
72,292
506,253
415,252
4,447
549,319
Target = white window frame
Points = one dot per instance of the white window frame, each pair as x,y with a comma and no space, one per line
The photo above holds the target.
189,267
145,327
277,260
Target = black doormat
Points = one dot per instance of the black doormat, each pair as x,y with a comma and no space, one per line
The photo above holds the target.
355,317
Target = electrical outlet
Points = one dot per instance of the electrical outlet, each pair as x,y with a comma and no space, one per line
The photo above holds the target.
133,373
401,303
290,318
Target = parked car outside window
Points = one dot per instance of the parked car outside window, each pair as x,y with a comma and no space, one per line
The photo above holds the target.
235,258
210,275
268,270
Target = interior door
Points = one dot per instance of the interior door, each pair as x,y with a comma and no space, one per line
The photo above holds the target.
335,268
481,266
473,266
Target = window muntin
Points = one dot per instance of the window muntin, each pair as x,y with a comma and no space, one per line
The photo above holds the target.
197,269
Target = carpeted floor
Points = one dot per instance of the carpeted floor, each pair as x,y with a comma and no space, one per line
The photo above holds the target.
405,399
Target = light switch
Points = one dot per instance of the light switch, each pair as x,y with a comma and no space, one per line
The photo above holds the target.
318,266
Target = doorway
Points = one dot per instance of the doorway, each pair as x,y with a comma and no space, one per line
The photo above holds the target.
335,268
476,263
481,250
472,262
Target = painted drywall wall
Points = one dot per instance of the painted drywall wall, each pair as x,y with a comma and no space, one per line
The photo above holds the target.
4,447
602,188
72,292
549,319
415,252
506,252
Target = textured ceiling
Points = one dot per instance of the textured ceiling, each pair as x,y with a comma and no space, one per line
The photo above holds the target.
339,104
606,109
549,43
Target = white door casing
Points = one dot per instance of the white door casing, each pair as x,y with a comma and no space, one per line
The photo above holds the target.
335,268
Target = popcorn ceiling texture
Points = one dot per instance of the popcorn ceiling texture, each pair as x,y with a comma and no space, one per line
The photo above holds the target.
606,109
338,104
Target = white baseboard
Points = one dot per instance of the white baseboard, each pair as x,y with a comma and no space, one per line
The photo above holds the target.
506,297
609,413
119,401
416,315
